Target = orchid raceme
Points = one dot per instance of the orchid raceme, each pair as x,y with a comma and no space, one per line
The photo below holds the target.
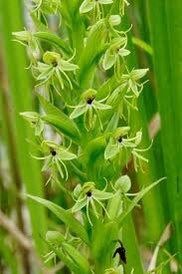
85,135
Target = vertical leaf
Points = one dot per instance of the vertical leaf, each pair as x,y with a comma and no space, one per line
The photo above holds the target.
19,86
165,27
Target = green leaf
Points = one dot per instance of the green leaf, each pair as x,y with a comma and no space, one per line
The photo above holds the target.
115,206
94,156
135,201
65,259
59,120
91,53
143,45
54,40
65,216
94,149
78,259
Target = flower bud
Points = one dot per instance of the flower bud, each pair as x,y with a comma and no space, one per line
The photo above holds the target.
87,187
121,131
118,270
30,116
48,6
123,184
54,237
51,58
89,94
24,36
115,20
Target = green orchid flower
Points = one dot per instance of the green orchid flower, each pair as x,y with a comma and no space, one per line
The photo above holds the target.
44,7
115,52
55,159
27,39
120,142
35,121
132,79
90,107
87,195
54,68
89,5
115,270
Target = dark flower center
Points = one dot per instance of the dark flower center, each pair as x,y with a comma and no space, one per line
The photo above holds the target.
90,100
120,139
89,194
54,63
53,152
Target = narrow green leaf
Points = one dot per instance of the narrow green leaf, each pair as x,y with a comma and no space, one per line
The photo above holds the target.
165,23
95,45
53,39
26,169
64,258
59,120
78,258
137,199
65,216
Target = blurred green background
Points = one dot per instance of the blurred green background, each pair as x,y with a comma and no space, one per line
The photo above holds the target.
156,42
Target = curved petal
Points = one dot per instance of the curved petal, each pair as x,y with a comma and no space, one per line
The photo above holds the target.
79,205
108,60
78,111
87,6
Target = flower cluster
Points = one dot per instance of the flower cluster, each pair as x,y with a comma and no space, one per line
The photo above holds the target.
85,62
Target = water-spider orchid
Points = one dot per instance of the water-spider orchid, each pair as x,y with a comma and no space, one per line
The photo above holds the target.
87,196
55,159
54,68
90,107
96,5
120,141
